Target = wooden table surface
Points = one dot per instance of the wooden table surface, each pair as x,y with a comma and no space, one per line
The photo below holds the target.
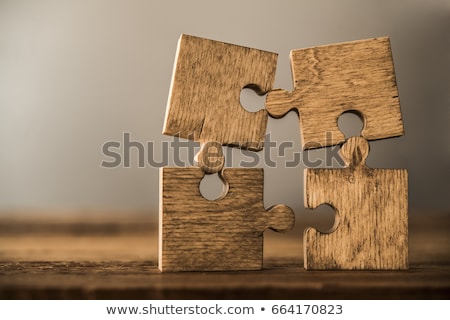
114,256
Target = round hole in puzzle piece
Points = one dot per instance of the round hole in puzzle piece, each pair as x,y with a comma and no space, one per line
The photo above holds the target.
251,100
213,187
351,123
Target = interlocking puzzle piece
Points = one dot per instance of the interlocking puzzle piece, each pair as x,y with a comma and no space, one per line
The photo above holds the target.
227,234
371,224
210,158
204,100
329,80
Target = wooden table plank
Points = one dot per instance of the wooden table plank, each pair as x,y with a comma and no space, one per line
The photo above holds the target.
62,258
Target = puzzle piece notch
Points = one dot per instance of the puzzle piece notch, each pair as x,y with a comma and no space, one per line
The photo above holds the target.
201,235
204,100
371,228
355,76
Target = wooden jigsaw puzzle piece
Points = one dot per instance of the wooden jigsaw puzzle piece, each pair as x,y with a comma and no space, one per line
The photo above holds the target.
210,158
371,224
329,80
204,100
227,234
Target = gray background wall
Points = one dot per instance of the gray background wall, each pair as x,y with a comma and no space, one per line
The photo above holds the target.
76,74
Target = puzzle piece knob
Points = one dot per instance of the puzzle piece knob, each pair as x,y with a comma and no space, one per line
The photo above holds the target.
210,157
279,102
354,151
281,219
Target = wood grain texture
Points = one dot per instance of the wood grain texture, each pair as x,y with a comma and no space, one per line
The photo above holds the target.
141,280
329,80
204,100
371,225
227,234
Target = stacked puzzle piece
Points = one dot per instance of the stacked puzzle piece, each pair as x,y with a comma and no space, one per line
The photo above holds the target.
371,225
